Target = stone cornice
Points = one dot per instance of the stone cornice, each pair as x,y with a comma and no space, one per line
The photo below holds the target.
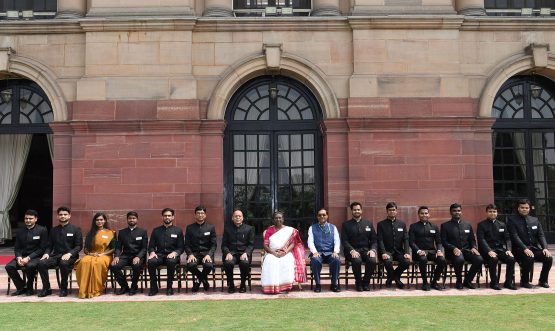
40,26
137,24
451,124
297,23
490,23
126,127
410,22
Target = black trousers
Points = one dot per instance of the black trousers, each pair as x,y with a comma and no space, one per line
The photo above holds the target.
207,267
422,262
403,265
52,262
154,263
492,262
369,266
125,261
475,261
527,263
244,268
30,272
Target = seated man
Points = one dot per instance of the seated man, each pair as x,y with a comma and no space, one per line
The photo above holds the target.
494,244
529,244
66,241
360,245
130,251
165,248
460,245
324,243
30,243
200,245
237,247
425,241
393,245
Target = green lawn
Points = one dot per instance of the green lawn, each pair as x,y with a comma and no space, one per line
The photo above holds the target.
522,312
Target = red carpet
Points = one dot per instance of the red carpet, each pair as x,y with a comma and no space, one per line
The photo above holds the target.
5,259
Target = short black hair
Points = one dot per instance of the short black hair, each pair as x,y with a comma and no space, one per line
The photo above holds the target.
200,208
391,204
454,206
168,209
422,208
522,202
63,208
133,213
32,212
491,206
355,203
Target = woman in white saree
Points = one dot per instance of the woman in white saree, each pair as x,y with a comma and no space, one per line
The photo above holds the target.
284,262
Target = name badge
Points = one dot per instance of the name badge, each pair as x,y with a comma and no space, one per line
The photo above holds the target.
466,231
368,229
432,231
104,237
400,229
534,227
501,230
173,236
36,237
139,238
207,233
69,234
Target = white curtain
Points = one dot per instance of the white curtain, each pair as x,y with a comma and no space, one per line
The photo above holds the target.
13,156
50,138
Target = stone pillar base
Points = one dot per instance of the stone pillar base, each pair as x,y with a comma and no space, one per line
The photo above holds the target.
217,12
68,14
472,11
326,11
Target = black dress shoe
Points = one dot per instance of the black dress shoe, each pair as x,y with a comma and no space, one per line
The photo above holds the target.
359,288
152,292
426,287
366,288
399,284
436,286
335,288
63,293
469,285
19,292
132,291
44,293
318,288
242,289
388,282
526,285
205,284
543,284
169,291
509,286
231,289
459,285
495,287
196,287
29,292
122,290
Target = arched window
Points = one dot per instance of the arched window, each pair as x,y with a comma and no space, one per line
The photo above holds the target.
524,146
273,156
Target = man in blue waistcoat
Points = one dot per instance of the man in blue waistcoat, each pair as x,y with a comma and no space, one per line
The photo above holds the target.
324,243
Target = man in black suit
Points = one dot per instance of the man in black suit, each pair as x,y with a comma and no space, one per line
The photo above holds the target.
30,243
494,244
393,245
529,244
130,251
200,245
66,241
360,245
237,247
425,241
165,248
458,239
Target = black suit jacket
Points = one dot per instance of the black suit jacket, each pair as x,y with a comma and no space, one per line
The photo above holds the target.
132,243
425,237
31,242
200,239
393,237
358,236
65,239
526,232
457,234
492,235
238,240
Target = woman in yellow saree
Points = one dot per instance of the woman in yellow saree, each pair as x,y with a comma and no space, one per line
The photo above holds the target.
92,269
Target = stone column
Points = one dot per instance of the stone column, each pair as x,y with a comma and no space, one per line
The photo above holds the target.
218,8
71,8
325,8
470,7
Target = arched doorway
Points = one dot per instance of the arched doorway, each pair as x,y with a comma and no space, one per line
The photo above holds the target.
524,147
273,153
26,180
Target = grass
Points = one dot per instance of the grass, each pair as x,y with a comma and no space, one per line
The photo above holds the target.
522,312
